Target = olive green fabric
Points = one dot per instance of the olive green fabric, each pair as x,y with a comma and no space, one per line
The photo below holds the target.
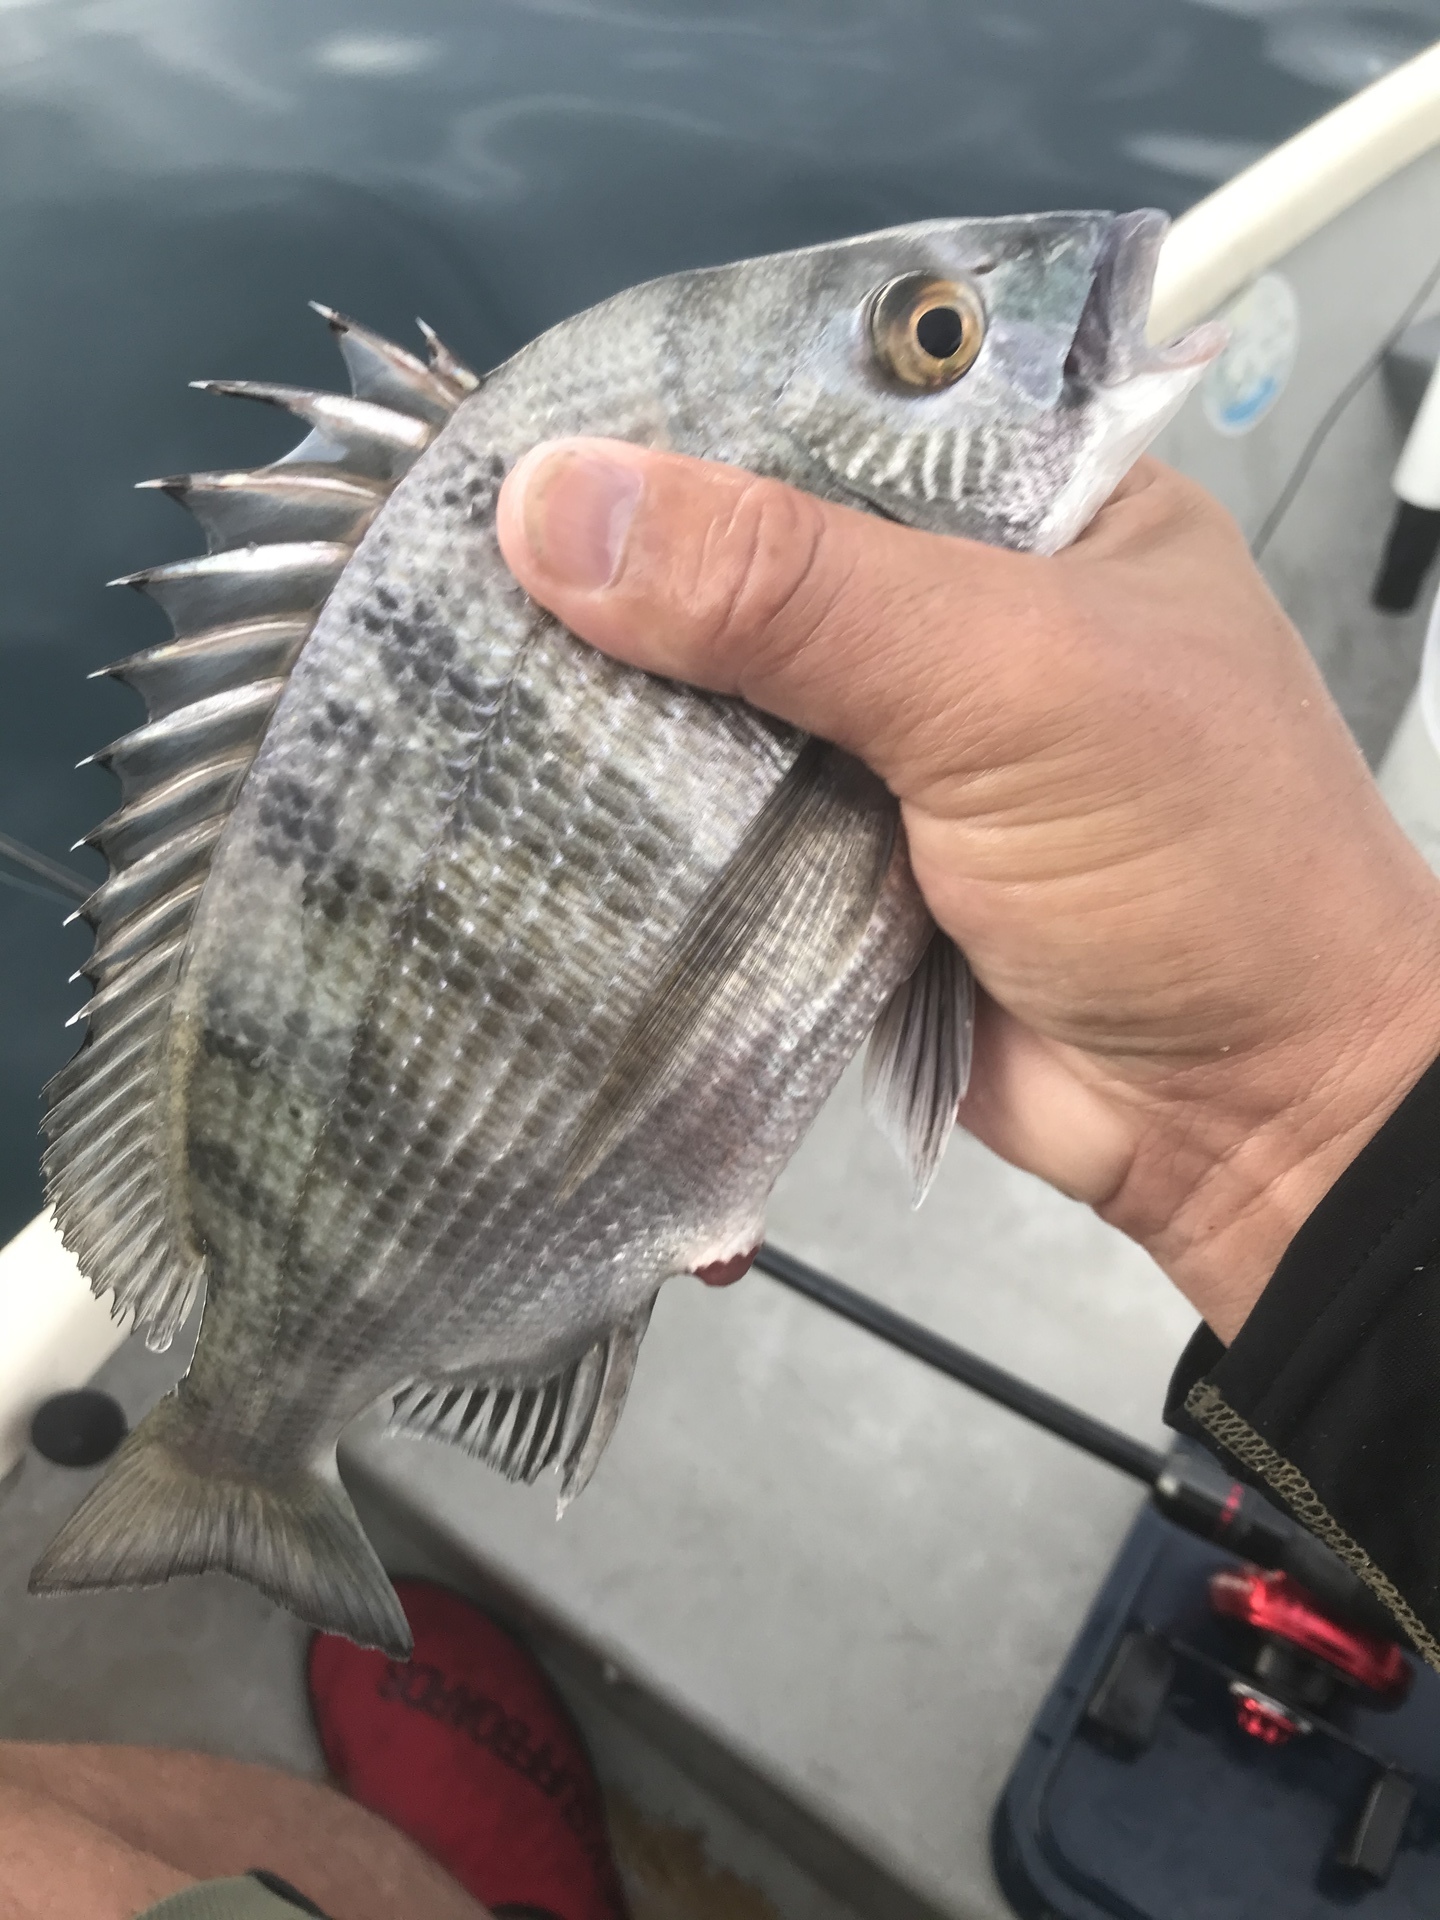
242,1899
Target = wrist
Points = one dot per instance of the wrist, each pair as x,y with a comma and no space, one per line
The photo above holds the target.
1235,1161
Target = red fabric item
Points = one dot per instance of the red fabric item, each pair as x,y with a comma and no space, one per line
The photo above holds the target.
469,1750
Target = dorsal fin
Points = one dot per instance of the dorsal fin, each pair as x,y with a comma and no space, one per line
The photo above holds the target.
220,660
253,583
278,538
188,736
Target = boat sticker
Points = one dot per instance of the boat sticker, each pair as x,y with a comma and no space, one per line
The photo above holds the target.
1250,375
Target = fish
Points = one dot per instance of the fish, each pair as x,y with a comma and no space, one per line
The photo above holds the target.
453,985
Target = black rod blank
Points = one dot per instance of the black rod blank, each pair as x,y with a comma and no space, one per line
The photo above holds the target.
983,1376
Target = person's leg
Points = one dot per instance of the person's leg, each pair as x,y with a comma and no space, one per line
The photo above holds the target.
141,1823
58,1864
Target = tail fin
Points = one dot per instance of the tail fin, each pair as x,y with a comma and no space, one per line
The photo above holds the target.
153,1516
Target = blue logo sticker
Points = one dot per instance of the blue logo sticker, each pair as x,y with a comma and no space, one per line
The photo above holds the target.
1251,374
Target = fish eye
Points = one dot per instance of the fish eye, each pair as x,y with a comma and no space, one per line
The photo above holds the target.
925,332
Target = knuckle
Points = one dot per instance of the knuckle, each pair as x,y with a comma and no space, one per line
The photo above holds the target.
758,565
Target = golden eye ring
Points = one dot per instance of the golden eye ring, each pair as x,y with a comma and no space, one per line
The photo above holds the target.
925,332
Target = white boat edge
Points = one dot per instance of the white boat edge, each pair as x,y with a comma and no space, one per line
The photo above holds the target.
56,1334
1263,213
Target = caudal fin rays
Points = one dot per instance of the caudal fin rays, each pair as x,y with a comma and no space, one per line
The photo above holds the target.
154,1517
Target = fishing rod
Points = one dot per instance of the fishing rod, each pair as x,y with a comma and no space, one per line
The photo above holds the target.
56,878
1188,1486
1041,1409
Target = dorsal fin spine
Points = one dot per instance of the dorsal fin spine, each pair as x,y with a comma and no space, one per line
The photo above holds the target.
138,1013
156,752
206,788
142,881
133,983
248,583
372,440
285,503
219,660
135,936
382,372
112,1050
445,366
130,981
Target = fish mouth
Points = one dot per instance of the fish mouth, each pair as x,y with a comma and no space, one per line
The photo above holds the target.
1110,345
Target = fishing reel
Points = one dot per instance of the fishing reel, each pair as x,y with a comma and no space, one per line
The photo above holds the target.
1300,1659
1293,1671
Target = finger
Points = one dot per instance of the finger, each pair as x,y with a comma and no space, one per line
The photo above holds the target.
833,619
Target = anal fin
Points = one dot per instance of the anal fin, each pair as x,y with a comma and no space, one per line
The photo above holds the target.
918,1064
522,1427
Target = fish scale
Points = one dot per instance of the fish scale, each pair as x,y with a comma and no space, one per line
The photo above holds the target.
507,1099
455,984
513,892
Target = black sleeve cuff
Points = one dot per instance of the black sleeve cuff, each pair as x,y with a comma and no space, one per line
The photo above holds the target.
1330,1393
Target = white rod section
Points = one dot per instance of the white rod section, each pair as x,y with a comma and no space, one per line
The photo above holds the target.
1245,226
54,1333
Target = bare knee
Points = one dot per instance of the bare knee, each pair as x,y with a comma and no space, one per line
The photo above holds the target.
58,1863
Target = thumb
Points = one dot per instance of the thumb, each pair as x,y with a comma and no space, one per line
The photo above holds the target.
842,623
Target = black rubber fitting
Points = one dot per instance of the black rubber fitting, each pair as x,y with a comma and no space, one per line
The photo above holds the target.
1413,543
78,1429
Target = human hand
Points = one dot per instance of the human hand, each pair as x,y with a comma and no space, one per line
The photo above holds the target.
1210,960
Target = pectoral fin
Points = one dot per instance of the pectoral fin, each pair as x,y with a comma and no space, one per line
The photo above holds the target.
778,923
918,1065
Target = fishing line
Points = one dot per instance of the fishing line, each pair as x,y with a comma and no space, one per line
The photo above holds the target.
57,879
37,889
1300,471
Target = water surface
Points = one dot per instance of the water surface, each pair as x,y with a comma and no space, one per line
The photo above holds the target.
177,178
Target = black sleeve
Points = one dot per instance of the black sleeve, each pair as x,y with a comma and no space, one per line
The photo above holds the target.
1329,1396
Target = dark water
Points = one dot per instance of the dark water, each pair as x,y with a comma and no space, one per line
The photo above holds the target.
177,178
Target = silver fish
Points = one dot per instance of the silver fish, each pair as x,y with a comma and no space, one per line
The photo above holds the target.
454,985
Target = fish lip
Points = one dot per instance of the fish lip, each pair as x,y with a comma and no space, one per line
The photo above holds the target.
1110,345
